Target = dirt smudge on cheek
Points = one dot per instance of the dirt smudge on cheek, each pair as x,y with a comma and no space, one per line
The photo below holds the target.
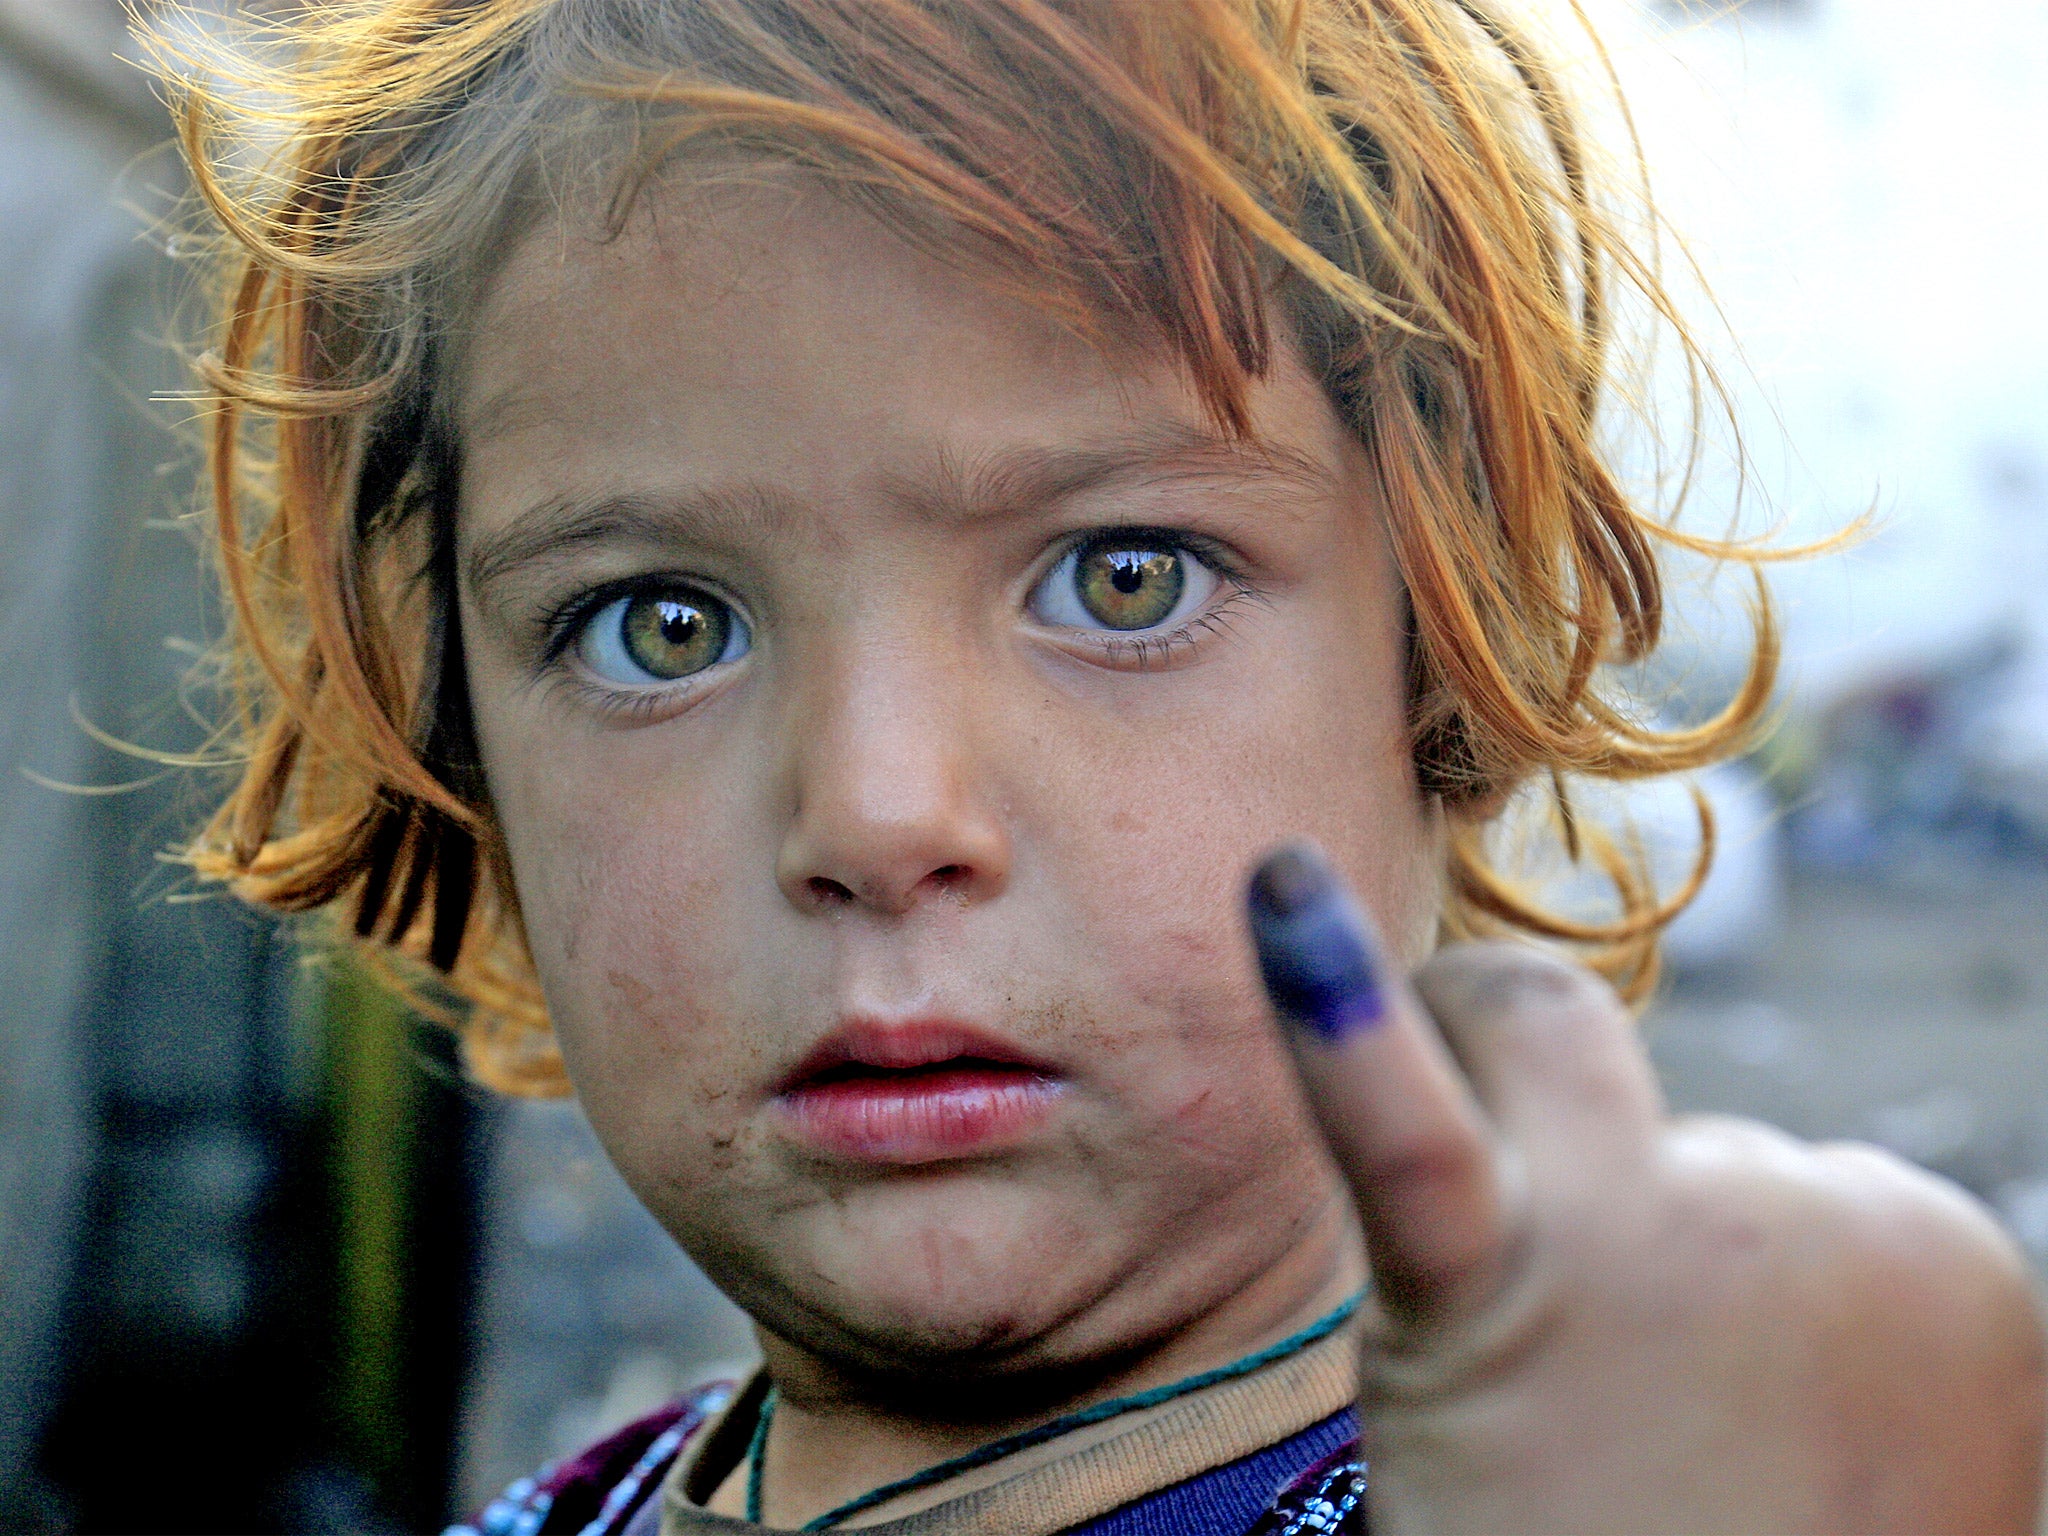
648,1024
638,996
1205,1083
657,1011
1222,1135
726,1148
678,1071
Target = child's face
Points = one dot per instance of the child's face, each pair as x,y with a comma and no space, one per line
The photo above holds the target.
880,811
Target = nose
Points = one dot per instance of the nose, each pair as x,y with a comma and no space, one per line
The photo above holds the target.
891,798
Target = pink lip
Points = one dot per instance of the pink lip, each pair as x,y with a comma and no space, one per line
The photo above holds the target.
919,1091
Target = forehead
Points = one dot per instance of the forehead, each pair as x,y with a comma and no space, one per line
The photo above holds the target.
765,331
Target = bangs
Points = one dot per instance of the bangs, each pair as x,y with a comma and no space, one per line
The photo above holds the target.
1157,168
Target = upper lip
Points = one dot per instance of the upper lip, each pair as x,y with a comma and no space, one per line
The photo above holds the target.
903,1045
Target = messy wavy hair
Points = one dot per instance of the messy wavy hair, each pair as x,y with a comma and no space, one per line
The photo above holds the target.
1397,187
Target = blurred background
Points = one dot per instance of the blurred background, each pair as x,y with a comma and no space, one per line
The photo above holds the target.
248,1205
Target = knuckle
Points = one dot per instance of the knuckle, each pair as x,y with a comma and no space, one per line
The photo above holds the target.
1935,1265
1726,1161
1498,980
1439,1162
1538,1019
1873,1235
1709,1145
1915,1216
1740,1189
1443,1195
1875,1176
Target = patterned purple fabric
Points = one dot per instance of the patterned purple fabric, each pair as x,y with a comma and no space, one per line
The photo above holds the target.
1320,1487
597,1491
1328,1497
1310,1484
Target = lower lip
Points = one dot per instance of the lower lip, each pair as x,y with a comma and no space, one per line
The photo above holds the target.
920,1117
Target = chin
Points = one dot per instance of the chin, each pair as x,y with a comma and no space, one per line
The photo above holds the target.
962,1273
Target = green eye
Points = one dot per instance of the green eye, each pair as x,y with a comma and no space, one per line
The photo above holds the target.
1130,588
1124,582
661,635
673,636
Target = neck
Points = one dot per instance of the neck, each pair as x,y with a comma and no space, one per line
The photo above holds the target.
837,1435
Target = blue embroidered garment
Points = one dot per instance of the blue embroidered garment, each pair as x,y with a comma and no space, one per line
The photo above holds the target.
1310,1484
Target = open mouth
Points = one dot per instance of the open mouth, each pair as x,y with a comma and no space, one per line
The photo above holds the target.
915,1093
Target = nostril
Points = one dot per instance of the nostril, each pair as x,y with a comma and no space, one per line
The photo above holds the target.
946,876
828,892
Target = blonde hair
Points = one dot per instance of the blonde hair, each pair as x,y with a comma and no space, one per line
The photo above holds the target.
1398,186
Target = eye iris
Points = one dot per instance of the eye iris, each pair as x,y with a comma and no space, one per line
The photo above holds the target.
673,634
1130,588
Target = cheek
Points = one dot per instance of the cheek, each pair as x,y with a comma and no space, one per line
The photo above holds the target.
1202,1146
1146,838
1153,827
636,900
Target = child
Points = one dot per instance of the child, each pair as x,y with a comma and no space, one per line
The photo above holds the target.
798,551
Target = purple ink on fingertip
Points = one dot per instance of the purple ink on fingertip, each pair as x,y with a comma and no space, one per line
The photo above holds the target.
1315,945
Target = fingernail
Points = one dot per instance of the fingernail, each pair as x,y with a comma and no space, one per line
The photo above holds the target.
1315,945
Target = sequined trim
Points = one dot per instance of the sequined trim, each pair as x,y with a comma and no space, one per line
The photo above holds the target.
1325,1508
519,1511
655,1459
523,1508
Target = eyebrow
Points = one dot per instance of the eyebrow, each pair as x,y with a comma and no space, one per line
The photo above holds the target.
1021,479
1014,482
555,528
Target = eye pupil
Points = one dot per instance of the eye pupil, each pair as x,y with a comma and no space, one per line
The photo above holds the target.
679,622
1126,573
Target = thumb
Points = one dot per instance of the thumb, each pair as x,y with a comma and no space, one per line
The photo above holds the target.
1402,1123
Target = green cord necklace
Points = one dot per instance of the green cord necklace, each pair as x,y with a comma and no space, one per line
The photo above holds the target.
1009,1445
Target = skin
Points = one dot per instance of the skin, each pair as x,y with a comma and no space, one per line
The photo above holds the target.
915,796
1599,1318
1011,824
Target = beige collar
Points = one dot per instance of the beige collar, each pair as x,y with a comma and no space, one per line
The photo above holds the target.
1078,1476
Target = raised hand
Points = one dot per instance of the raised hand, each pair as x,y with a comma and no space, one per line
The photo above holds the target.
1593,1317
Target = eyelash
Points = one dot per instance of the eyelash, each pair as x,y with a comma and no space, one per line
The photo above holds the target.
562,626
1155,650
1141,654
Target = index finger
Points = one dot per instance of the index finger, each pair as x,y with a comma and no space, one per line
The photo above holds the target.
1403,1124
